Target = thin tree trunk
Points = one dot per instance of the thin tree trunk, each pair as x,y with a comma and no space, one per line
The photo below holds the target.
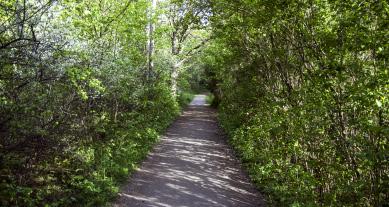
174,78
150,43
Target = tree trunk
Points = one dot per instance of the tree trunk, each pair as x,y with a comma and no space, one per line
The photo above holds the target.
174,79
150,42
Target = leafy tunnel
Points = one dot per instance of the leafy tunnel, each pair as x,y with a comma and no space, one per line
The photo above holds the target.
300,86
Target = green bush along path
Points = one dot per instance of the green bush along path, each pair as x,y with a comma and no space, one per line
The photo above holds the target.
301,89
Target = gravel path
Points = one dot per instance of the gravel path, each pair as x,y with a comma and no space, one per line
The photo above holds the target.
192,166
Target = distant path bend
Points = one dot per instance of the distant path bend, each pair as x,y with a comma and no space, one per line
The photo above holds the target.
192,166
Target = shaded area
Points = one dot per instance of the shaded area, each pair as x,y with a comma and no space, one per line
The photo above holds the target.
192,166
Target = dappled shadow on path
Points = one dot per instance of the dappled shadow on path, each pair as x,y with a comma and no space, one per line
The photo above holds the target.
192,166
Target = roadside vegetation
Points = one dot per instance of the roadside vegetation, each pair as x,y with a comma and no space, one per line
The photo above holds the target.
302,90
304,96
85,90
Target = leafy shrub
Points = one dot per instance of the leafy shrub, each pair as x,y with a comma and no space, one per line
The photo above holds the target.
304,97
77,111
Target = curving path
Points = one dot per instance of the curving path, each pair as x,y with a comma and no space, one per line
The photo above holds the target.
191,166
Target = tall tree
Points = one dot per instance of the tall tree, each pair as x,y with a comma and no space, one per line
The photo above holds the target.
185,18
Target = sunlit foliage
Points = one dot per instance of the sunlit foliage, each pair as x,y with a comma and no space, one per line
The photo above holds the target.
304,96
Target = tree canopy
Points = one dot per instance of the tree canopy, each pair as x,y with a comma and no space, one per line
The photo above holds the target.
301,86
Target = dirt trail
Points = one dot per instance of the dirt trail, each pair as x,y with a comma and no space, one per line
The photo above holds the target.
191,167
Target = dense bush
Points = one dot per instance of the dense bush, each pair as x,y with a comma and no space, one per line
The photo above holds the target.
87,86
78,108
304,97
